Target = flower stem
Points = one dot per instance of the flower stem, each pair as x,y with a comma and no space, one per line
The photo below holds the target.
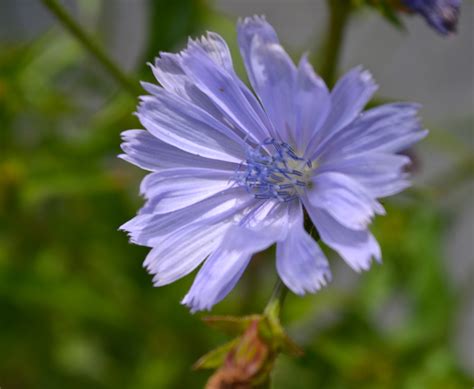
277,298
92,46
339,12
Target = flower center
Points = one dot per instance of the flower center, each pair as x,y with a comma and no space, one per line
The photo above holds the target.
276,174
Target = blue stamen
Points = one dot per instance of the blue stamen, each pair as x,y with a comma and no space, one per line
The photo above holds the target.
273,176
297,173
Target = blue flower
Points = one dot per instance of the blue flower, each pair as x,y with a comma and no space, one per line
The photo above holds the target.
232,174
442,15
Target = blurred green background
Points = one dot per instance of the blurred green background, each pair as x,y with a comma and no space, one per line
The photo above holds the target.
77,310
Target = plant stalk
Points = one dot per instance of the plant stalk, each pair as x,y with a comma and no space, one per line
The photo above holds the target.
277,299
339,12
92,46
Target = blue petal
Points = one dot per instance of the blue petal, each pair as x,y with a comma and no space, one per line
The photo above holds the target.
270,218
170,74
312,101
186,126
224,267
180,252
181,187
168,67
390,128
301,264
271,72
168,70
148,152
351,93
344,199
147,229
381,174
247,29
182,88
356,247
226,91
216,48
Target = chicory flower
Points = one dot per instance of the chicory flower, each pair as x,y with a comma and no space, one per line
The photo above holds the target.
233,172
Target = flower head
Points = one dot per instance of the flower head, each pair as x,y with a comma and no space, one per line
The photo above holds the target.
442,15
232,173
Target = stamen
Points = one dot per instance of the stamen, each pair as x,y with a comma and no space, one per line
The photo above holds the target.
279,175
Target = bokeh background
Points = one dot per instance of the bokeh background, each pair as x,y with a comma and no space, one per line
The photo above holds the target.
77,310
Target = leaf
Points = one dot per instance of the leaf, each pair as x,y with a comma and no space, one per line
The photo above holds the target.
388,11
274,333
215,358
290,347
232,325
387,8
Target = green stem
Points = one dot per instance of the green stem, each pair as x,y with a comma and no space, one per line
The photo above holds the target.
339,12
91,45
277,299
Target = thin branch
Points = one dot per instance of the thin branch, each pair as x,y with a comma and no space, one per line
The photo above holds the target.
339,12
277,299
92,46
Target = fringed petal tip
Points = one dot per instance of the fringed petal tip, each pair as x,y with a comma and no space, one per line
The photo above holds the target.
364,262
195,305
254,19
317,284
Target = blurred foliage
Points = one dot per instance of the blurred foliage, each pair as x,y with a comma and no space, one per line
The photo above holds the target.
176,21
79,311
387,8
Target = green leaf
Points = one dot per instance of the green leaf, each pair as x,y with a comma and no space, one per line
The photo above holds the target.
232,325
387,8
390,14
215,358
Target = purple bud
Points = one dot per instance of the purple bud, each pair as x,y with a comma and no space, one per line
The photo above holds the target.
442,15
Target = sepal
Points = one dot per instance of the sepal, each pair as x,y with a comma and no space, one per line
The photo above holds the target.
249,358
